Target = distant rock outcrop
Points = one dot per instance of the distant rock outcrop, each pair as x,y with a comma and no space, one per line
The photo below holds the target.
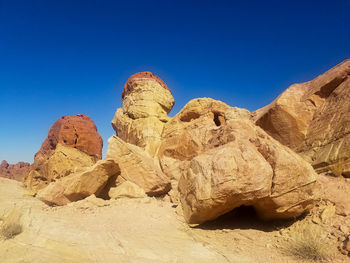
14,171
72,143
313,118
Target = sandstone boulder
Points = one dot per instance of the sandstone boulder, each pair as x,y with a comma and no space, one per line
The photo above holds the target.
14,171
138,167
223,160
77,186
146,103
127,189
60,163
189,134
72,143
313,118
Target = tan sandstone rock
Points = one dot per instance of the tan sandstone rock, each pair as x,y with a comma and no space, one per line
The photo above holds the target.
72,143
313,118
126,189
60,163
223,161
138,167
146,104
189,134
80,185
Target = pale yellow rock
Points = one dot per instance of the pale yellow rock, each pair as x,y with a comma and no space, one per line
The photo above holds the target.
80,185
327,213
127,189
63,161
148,98
144,113
223,160
126,231
138,167
144,132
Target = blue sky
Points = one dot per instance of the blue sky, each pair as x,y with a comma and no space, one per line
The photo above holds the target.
68,57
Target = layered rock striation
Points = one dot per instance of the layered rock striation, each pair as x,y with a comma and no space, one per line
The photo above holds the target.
313,119
146,103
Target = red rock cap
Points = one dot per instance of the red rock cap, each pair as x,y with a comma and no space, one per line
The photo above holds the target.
77,131
147,74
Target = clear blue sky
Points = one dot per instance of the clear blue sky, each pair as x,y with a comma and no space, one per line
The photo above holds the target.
67,57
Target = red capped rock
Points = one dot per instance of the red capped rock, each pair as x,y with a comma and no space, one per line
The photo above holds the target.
77,131
128,87
147,102
72,143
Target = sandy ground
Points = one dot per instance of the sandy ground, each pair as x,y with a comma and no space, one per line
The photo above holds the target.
134,230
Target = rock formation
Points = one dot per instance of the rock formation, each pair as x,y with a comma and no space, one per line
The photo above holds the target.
146,103
72,143
75,131
313,118
14,171
223,161
138,167
80,185
210,156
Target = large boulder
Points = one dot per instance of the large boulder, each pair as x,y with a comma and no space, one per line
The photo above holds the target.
146,103
59,163
79,185
138,167
313,118
222,160
189,133
14,171
72,143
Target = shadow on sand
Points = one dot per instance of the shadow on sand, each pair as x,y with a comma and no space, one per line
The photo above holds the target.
245,217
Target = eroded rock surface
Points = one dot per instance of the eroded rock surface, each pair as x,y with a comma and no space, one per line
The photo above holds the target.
104,231
77,186
14,171
222,160
76,131
72,143
146,104
313,118
138,167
